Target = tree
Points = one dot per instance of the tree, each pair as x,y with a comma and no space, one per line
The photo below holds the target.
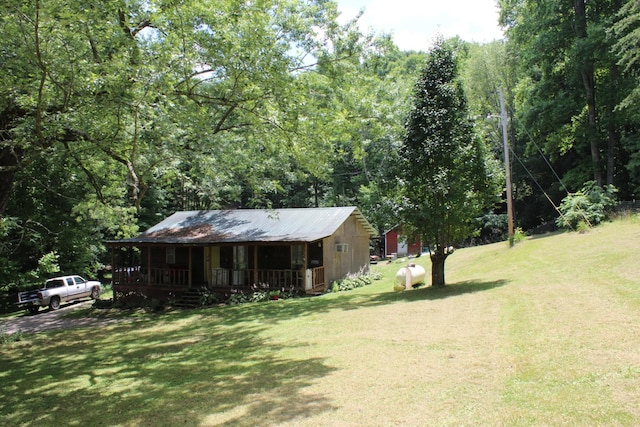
444,182
114,113
570,85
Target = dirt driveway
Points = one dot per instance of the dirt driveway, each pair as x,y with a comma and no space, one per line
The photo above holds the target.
50,320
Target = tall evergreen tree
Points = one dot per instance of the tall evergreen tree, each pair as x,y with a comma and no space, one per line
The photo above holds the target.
442,170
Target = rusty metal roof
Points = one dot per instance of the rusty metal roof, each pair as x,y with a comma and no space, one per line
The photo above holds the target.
249,226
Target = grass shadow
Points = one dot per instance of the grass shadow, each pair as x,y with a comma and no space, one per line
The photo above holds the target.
163,373
436,293
547,234
278,311
272,312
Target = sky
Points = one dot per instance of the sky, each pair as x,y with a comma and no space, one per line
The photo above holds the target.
414,23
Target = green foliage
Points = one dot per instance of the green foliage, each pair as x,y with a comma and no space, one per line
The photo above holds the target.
209,298
115,116
588,207
573,85
519,235
627,31
259,296
48,264
375,275
352,281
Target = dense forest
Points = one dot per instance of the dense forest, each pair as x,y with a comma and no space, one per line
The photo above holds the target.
115,114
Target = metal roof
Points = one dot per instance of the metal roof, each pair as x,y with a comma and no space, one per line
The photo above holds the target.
249,225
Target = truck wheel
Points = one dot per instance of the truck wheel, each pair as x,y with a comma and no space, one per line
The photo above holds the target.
95,292
33,309
54,304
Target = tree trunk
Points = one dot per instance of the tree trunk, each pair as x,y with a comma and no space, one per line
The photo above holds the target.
437,267
613,142
613,133
8,169
588,80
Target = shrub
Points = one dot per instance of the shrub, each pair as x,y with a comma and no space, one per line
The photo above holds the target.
208,298
376,275
259,296
518,236
242,298
352,281
590,206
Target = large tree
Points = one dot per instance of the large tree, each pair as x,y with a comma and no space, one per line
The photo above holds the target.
117,111
444,181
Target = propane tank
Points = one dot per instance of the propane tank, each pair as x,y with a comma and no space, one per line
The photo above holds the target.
408,276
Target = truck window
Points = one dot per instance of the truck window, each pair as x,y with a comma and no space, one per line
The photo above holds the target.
79,280
69,281
58,283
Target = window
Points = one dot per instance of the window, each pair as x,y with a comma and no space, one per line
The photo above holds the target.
342,247
240,257
56,283
297,257
171,256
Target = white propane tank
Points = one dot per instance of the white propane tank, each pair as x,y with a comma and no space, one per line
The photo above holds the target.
408,276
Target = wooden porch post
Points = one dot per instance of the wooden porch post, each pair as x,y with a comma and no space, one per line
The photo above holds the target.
305,265
149,265
255,265
190,266
113,271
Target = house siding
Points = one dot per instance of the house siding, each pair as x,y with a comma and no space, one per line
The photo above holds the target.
339,264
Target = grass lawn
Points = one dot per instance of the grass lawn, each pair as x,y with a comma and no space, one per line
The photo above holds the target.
545,333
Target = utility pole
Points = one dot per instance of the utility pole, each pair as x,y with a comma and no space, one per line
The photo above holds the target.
504,119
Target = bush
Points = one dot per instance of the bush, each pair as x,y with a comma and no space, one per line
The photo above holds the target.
259,296
518,236
589,206
352,281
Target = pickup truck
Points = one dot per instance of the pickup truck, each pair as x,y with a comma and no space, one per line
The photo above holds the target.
57,290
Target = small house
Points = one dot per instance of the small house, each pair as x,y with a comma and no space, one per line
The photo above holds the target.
227,251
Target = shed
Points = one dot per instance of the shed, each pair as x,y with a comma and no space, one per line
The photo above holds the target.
396,245
227,251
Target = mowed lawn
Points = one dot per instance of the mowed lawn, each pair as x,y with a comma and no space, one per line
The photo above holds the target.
545,333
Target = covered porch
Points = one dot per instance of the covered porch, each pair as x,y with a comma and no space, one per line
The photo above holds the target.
169,271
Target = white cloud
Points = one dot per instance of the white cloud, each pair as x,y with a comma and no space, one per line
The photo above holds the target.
414,23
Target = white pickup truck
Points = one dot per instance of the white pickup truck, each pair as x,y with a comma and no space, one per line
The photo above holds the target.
57,290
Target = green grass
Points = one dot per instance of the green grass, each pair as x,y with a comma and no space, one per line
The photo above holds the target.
545,333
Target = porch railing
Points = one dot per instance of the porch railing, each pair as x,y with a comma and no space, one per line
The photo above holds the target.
174,278
178,277
281,278
269,279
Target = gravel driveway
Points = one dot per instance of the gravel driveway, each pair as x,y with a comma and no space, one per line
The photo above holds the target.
50,320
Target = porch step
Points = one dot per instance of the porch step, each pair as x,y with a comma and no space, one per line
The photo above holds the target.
189,299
